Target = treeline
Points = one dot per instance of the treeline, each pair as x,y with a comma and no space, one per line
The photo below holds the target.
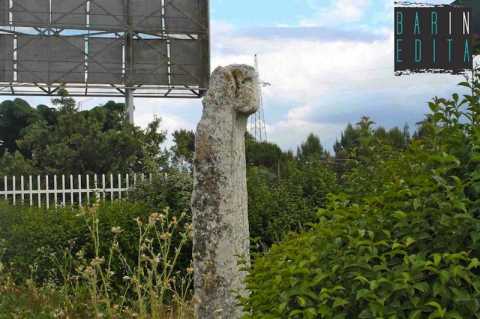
64,139
285,188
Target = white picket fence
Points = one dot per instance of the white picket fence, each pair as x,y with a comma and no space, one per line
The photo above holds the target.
55,191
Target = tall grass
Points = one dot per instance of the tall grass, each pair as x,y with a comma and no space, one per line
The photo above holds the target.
109,286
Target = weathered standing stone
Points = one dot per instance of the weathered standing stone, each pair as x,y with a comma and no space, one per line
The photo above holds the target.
219,201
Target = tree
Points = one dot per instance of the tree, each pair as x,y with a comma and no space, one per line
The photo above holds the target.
12,164
15,116
311,149
264,154
152,158
66,141
64,102
47,114
184,147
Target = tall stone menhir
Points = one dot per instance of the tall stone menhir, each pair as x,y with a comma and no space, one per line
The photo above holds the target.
219,201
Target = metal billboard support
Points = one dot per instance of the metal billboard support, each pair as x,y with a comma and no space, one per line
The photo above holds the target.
105,48
129,98
130,105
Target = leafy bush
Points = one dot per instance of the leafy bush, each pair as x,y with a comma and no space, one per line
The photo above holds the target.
404,242
409,252
172,189
36,238
278,206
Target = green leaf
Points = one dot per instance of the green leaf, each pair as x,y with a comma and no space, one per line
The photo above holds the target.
362,293
475,263
437,259
417,314
453,315
440,312
362,279
409,241
399,215
340,302
444,277
422,287
301,301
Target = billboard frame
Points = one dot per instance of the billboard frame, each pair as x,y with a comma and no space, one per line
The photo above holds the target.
127,34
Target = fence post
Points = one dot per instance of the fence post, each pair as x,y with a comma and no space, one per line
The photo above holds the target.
111,188
119,186
5,186
127,184
103,186
30,188
71,189
95,184
39,188
63,191
55,187
88,188
22,186
13,191
47,194
79,190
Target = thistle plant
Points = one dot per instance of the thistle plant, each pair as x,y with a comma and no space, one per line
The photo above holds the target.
153,287
99,281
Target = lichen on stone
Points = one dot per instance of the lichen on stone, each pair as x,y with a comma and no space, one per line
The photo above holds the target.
219,200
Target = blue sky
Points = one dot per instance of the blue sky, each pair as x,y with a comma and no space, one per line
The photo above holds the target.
329,62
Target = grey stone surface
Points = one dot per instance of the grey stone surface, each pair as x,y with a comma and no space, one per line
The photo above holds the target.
219,201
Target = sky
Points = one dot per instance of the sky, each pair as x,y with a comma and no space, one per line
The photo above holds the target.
329,63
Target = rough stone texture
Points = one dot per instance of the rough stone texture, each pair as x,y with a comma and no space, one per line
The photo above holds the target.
219,201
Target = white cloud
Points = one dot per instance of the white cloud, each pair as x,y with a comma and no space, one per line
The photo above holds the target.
337,12
320,86
291,131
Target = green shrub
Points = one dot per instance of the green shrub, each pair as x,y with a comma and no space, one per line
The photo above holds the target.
172,189
278,206
32,235
36,239
408,253
403,243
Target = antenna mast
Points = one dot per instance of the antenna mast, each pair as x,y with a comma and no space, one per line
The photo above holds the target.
257,121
